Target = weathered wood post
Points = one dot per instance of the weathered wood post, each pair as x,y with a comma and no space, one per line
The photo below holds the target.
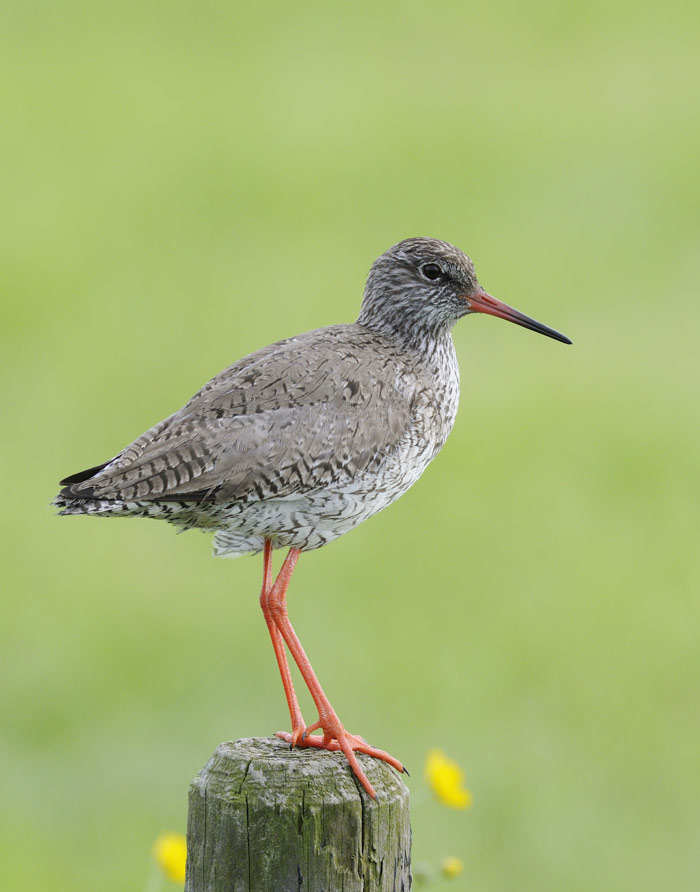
263,818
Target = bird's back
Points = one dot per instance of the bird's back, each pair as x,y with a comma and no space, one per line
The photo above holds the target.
317,412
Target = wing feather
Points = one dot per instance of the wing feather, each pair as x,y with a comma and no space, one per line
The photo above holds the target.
295,416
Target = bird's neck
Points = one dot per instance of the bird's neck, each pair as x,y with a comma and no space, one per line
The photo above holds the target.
426,339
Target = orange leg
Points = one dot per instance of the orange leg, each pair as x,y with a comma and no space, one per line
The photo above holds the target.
297,718
335,737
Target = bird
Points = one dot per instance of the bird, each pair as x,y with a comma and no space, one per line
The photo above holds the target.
299,442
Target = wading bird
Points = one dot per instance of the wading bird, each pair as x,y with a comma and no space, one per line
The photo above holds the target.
301,441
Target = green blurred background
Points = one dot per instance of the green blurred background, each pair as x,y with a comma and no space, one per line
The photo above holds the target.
183,183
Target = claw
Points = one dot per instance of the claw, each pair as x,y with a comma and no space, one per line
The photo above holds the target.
309,729
293,739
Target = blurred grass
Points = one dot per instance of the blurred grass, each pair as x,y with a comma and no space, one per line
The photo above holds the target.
183,184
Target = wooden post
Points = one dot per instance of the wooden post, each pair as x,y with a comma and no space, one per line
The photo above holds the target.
263,818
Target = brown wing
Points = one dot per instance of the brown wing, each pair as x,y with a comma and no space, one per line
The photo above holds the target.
294,416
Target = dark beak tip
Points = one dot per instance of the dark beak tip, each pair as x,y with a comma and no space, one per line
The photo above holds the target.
547,332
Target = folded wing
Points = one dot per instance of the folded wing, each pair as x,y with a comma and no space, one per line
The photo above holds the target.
292,417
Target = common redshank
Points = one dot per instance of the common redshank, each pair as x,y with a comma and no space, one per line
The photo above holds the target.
301,441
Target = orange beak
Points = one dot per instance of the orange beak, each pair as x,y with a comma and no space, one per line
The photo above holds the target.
481,302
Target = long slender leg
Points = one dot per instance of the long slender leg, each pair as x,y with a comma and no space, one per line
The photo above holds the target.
297,718
335,737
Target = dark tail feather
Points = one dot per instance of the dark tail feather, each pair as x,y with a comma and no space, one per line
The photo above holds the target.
82,475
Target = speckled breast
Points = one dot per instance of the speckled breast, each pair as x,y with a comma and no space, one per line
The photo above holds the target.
312,519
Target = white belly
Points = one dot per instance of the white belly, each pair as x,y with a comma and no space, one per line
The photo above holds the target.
310,520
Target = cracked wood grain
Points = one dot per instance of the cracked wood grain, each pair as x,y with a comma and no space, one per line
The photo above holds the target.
263,818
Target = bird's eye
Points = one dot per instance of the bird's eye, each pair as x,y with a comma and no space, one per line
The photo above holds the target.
431,271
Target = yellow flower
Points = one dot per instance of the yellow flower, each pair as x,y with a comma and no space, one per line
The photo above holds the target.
446,779
170,852
452,866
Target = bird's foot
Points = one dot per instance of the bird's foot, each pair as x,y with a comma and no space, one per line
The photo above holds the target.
299,728
335,738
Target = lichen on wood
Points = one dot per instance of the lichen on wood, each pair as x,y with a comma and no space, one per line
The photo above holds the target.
264,818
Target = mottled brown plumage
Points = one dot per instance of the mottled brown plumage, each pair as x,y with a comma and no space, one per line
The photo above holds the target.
295,415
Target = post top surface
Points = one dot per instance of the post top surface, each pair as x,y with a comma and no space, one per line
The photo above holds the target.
268,764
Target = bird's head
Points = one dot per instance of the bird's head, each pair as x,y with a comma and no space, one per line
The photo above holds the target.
423,284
